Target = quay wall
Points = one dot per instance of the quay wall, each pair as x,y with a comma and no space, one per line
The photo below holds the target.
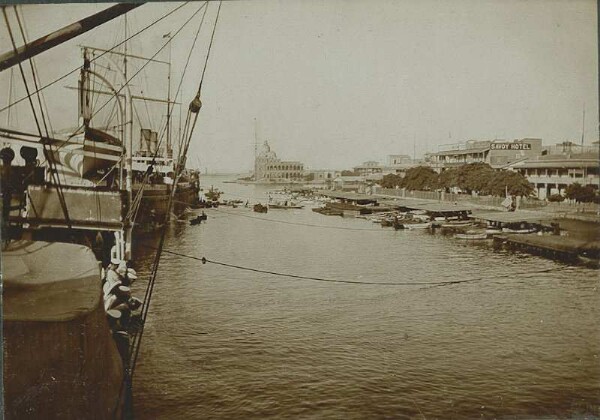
490,201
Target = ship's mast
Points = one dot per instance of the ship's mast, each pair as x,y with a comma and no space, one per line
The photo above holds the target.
255,152
129,145
169,148
583,127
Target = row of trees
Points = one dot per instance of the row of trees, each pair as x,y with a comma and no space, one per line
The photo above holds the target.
480,178
579,193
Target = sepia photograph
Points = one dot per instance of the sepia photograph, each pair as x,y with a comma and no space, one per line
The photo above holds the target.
317,209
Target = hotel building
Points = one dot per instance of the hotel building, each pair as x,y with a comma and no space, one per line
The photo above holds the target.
497,153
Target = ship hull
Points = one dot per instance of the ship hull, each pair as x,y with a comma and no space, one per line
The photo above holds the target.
60,360
155,200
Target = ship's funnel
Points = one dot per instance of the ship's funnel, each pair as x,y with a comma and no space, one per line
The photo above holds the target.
148,142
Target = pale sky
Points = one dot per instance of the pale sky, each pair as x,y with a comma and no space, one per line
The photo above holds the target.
335,83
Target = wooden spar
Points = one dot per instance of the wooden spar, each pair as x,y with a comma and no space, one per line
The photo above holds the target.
122,95
55,38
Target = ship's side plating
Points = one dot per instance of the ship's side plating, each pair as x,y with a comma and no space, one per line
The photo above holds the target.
57,344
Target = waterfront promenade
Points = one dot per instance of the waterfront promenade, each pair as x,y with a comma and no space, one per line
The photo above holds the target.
580,211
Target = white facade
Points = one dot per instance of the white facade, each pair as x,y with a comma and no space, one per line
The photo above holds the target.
497,153
395,160
367,168
552,174
268,167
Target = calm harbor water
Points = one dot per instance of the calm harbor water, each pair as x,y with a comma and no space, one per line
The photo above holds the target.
520,341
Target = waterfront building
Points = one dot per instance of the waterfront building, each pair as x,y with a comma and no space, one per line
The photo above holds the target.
367,168
268,167
496,153
399,164
560,166
322,175
350,183
395,160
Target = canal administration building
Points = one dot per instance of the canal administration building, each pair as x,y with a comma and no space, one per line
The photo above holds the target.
268,167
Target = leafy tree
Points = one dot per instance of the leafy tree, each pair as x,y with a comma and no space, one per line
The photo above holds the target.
476,177
309,177
509,181
420,178
469,178
582,194
391,181
556,198
350,173
448,178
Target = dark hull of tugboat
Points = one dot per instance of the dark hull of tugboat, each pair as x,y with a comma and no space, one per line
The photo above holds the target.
60,359
155,199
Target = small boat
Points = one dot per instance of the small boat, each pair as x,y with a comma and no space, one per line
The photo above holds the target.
198,219
458,223
471,236
588,261
259,208
421,217
526,230
412,226
399,226
493,231
328,211
387,223
285,206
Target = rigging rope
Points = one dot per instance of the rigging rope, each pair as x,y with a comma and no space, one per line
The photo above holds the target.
126,83
320,279
14,45
28,96
193,108
171,109
358,282
100,55
34,74
212,37
47,154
